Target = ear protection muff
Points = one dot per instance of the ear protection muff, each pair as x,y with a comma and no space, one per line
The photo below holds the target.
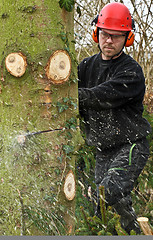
130,39
95,35
95,31
131,36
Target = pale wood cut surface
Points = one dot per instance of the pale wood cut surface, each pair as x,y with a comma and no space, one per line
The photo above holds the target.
69,186
16,64
59,67
143,222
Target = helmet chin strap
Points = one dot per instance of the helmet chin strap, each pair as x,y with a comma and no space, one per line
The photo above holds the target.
117,54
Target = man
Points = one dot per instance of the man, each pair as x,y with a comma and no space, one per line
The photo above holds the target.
111,92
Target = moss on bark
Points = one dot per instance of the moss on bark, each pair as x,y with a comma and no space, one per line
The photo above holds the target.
33,166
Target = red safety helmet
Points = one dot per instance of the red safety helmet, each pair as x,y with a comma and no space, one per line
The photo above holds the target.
115,16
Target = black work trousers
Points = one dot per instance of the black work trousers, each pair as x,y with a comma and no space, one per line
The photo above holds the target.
117,169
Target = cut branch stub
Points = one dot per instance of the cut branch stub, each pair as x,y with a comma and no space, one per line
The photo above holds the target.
16,64
69,185
59,67
144,224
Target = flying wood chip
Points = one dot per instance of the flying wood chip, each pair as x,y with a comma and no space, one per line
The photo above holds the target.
69,186
59,67
16,64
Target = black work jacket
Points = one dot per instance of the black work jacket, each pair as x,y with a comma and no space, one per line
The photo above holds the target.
111,93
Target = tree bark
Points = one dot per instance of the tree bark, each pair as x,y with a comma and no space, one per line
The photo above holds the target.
39,137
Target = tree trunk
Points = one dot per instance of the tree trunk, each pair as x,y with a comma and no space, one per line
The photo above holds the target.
38,122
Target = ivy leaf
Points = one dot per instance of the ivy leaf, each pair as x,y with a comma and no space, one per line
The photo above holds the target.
65,99
57,171
67,4
61,107
68,149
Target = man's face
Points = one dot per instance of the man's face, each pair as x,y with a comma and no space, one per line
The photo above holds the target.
112,44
